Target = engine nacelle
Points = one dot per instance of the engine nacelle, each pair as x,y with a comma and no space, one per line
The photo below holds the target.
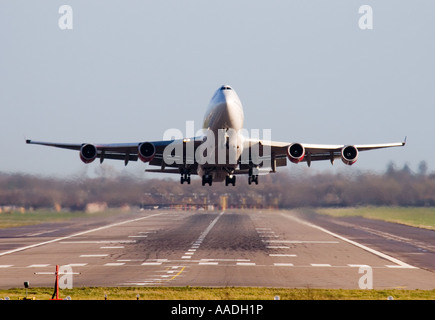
88,153
296,152
349,155
146,151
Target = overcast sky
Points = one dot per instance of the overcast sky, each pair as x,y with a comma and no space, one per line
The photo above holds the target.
129,70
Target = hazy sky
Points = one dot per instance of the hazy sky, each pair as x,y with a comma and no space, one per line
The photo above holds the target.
129,70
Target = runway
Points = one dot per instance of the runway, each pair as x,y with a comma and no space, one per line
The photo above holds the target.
231,248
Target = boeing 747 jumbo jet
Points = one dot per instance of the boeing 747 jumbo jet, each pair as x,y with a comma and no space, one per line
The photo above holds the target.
222,150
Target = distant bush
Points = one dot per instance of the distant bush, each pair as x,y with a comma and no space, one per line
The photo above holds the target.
392,188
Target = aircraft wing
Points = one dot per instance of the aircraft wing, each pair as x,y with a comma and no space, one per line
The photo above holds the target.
302,152
157,154
152,152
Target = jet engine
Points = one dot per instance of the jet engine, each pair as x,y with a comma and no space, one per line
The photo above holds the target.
349,155
146,151
296,152
88,153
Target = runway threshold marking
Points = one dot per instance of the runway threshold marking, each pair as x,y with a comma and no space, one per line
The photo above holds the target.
399,263
79,234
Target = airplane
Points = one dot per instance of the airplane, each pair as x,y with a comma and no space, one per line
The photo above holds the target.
221,151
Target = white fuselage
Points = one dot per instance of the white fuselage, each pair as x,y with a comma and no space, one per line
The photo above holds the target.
224,119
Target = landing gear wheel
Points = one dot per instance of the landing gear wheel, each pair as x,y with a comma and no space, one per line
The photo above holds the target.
207,179
230,179
253,178
185,177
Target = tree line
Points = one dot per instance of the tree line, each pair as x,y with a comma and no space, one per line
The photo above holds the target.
394,187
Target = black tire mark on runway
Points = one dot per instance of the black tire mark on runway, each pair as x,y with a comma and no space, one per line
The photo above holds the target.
234,232
171,243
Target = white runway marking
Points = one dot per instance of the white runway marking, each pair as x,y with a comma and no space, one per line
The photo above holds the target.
191,251
78,234
129,260
277,247
400,263
226,260
120,247
281,255
93,255
301,241
99,242
114,264
320,265
38,265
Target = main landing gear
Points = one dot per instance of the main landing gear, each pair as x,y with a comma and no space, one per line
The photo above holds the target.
185,176
230,180
207,178
252,177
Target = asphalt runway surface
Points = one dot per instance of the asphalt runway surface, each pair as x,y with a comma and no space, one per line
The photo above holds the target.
214,248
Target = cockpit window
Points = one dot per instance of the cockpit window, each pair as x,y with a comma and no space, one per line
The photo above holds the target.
226,88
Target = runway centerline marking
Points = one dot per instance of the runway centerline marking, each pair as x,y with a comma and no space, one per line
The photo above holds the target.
400,263
190,252
78,234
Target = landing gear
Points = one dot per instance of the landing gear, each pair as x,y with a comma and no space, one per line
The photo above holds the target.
185,176
252,177
207,179
230,179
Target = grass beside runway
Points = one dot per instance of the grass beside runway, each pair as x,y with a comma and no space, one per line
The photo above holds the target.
229,293
412,216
